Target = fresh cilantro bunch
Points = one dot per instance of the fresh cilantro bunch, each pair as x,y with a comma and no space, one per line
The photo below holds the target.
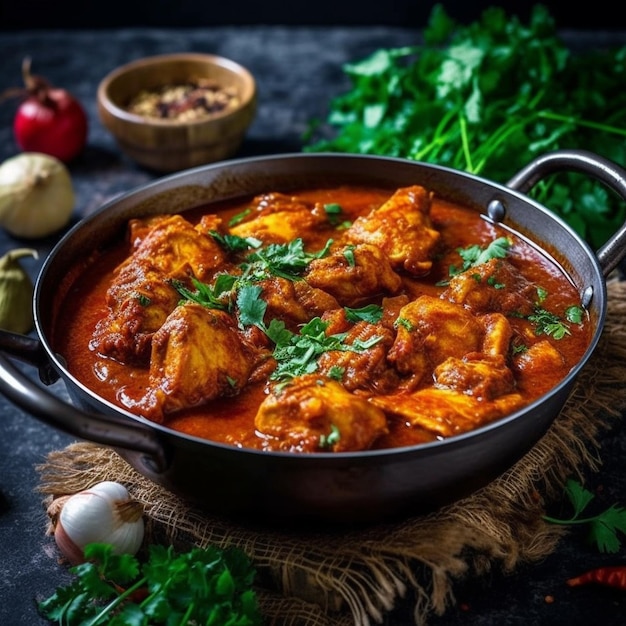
202,586
487,98
604,528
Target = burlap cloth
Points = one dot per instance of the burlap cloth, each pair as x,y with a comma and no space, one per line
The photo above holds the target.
356,577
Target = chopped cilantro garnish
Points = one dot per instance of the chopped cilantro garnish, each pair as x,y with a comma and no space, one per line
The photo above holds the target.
348,253
284,260
335,215
298,354
547,323
475,255
405,323
574,314
234,243
369,313
211,296
251,307
240,217
336,372
328,441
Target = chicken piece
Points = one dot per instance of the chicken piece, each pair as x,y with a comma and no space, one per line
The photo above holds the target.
446,412
316,414
478,375
402,229
429,330
295,302
141,295
354,273
498,334
534,362
139,228
494,286
364,369
197,355
178,249
140,301
210,222
391,309
278,218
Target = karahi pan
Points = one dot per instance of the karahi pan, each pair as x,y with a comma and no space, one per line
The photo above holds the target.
335,488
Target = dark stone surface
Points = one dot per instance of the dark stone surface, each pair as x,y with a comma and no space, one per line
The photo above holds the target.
298,70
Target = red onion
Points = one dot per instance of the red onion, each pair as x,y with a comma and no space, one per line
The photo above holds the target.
49,119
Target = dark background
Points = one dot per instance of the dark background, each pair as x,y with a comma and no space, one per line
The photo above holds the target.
69,14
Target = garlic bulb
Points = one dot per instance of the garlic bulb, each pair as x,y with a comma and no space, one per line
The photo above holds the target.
36,195
16,292
104,513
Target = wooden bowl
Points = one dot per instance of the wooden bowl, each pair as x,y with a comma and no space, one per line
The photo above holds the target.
168,145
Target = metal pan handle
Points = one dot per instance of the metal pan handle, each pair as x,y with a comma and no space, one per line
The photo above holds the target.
585,162
108,430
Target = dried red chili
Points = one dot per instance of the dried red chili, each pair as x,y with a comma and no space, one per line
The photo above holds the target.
610,576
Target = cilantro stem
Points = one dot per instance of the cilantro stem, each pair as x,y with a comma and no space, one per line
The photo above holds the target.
499,138
467,152
440,137
187,616
115,602
571,521
569,119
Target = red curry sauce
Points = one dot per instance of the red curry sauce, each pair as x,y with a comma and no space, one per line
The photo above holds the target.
230,418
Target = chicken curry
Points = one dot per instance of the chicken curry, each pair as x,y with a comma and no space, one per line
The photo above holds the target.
324,320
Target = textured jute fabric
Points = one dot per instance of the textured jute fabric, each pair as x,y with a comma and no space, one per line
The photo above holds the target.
354,578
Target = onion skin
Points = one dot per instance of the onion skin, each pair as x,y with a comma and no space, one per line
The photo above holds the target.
36,195
57,126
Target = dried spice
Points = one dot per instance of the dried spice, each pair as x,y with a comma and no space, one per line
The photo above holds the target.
185,102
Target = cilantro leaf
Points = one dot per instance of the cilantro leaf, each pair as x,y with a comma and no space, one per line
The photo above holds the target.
547,323
234,243
476,255
251,307
212,296
284,260
371,313
604,527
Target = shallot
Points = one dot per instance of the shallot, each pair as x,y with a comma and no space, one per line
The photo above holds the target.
49,119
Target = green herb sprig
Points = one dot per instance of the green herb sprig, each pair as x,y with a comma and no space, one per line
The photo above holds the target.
604,527
297,354
284,260
475,255
202,586
487,98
